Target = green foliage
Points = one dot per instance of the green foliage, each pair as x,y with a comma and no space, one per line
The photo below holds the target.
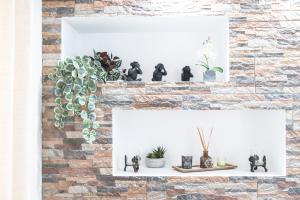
159,152
76,85
218,69
107,65
207,67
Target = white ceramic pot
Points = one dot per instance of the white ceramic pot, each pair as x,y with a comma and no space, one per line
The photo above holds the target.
155,163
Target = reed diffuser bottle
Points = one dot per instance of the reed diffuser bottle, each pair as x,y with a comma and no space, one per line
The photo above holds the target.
205,159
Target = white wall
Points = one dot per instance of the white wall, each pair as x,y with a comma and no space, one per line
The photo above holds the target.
6,88
236,135
173,41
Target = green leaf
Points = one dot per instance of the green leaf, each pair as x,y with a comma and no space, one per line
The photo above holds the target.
57,101
96,125
87,123
84,114
85,132
93,132
69,80
61,124
58,92
91,71
81,100
91,139
118,63
91,106
57,124
77,106
218,69
57,116
69,67
65,113
57,110
92,116
77,88
69,96
81,72
70,107
92,86
92,98
67,89
60,84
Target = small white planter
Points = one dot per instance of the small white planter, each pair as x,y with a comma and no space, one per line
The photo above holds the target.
209,76
155,163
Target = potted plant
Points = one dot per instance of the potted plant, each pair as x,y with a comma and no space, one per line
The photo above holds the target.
210,71
108,65
156,158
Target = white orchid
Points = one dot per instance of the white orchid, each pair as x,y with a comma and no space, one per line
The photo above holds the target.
208,52
209,56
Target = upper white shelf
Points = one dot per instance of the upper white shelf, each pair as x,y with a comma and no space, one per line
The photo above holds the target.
173,41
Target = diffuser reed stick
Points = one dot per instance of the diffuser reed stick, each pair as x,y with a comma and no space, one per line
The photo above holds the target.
211,130
202,138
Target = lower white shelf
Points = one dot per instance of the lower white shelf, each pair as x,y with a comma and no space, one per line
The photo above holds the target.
168,171
237,134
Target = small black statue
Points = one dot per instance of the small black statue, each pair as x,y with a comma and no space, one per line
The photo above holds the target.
132,72
254,163
159,72
186,74
135,163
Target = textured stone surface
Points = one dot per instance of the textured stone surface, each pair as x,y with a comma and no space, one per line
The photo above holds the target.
264,74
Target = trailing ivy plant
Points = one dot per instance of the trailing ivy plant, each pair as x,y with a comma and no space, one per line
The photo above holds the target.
76,85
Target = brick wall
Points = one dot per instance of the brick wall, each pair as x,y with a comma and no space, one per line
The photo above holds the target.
264,73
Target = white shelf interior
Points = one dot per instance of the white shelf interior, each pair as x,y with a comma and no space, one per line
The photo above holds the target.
173,41
236,135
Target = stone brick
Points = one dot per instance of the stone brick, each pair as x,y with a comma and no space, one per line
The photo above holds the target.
81,163
82,189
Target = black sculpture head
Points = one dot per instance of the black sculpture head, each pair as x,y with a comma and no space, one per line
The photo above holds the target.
254,158
134,64
186,74
186,69
159,67
159,72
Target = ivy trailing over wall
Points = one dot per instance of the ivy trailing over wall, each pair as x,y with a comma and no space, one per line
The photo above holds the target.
75,91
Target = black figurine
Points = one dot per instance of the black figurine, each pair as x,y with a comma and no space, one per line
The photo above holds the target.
186,74
135,163
159,72
132,72
254,163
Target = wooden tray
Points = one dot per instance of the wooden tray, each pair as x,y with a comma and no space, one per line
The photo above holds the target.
196,168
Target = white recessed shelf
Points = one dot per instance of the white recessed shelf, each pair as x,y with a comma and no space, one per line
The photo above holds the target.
173,41
236,135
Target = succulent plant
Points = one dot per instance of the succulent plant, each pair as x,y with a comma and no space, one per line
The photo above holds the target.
108,65
159,152
76,85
